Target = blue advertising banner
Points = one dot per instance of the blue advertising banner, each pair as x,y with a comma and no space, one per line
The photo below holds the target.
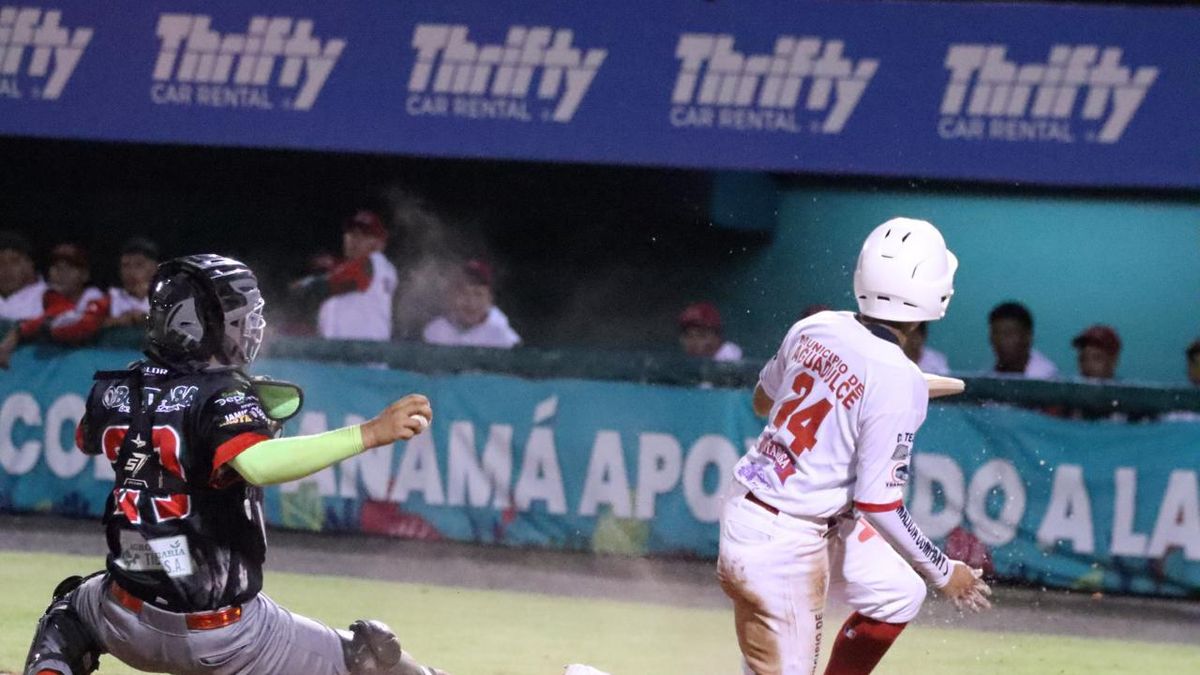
1060,94
641,469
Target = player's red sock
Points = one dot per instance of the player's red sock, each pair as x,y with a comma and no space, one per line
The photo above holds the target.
860,644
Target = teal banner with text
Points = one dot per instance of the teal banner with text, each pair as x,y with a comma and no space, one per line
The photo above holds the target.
640,469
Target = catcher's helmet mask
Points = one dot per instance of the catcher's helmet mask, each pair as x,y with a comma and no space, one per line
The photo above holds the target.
204,307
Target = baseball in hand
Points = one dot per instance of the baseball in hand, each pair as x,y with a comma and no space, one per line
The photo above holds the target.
421,420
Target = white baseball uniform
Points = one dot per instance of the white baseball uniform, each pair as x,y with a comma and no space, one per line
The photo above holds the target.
362,314
847,405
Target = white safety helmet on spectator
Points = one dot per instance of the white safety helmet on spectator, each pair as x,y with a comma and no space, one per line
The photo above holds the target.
905,272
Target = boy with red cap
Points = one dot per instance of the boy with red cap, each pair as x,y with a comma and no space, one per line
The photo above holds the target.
700,334
1099,348
72,311
358,293
472,319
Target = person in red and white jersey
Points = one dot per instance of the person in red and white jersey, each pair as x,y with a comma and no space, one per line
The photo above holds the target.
818,505
21,289
472,319
129,303
359,291
72,311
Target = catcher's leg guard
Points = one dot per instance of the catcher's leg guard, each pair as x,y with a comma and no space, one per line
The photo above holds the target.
62,643
375,650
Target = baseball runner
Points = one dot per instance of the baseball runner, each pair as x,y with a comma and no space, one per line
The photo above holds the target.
818,504
191,439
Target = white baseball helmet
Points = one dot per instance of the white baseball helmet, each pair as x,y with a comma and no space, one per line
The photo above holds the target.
905,272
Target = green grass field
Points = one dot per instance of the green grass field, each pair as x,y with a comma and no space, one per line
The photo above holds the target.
473,632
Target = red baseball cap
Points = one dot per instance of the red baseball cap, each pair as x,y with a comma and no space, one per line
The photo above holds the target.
366,221
478,271
700,315
73,254
1099,335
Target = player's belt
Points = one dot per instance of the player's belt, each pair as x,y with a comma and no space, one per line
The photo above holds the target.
751,497
195,620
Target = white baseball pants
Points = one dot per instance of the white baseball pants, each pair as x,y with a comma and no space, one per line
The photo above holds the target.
777,569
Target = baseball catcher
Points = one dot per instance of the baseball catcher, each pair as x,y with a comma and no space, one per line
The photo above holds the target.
192,441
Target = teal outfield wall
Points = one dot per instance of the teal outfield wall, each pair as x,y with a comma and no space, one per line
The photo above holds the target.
1073,262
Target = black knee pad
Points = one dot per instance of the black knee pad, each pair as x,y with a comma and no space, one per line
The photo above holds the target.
61,638
374,648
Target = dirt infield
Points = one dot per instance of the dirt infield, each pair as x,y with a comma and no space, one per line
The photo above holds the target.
673,582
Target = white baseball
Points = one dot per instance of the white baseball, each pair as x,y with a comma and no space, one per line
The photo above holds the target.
421,420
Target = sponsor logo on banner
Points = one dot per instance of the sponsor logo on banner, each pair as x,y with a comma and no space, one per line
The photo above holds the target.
537,74
276,63
1081,93
807,84
37,53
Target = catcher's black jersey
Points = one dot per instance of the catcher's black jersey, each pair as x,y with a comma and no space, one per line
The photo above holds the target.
184,530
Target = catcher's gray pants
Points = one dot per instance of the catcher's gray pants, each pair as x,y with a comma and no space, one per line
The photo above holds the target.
267,639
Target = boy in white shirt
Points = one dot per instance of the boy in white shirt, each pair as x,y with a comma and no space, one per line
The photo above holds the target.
129,303
472,319
21,289
700,334
1010,330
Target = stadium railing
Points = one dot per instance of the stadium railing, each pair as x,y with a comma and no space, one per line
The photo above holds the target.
666,368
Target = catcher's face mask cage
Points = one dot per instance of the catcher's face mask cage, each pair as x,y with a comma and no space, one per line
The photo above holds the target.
244,330
205,306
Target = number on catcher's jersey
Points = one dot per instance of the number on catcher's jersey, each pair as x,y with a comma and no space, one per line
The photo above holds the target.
164,443
802,424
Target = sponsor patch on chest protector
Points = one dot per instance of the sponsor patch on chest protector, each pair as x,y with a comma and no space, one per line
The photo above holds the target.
166,554
173,555
136,555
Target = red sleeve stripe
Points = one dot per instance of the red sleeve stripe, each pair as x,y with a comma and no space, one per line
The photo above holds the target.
878,508
354,275
234,447
86,326
31,327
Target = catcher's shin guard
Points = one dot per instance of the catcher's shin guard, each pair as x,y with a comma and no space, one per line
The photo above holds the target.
62,643
375,650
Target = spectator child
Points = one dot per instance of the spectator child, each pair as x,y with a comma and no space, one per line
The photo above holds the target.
129,303
72,311
700,334
1010,327
1099,348
1193,373
929,360
21,289
472,319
